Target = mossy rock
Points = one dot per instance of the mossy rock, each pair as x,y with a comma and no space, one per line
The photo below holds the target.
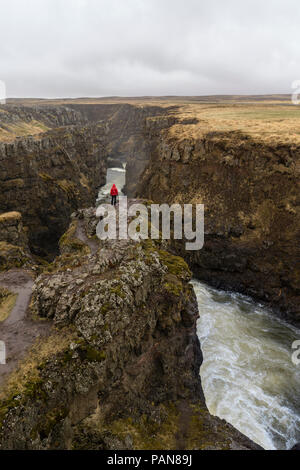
32,390
85,353
175,265
45,177
68,187
68,243
145,433
173,285
11,256
49,421
118,291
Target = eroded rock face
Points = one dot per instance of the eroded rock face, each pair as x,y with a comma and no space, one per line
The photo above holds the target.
49,116
46,178
14,250
251,196
125,125
12,230
143,147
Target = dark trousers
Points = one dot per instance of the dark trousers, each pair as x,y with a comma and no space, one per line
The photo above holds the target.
113,200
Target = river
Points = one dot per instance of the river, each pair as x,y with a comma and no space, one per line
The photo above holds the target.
116,176
248,377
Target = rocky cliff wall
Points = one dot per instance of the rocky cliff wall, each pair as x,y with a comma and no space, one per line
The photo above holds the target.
142,149
12,230
14,249
47,177
251,194
50,116
125,125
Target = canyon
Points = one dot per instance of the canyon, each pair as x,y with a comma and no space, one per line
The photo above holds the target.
250,188
113,358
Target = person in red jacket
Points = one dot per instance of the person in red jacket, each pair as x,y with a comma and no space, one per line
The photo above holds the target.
114,193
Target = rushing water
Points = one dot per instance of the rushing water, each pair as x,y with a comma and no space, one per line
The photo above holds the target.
116,176
247,374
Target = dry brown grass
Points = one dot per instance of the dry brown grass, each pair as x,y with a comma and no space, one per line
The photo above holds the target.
27,370
267,118
278,123
7,303
10,216
21,129
161,100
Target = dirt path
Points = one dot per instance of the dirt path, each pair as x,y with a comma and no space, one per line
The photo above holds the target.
18,331
19,282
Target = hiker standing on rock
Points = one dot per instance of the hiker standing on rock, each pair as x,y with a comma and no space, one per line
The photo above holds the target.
114,193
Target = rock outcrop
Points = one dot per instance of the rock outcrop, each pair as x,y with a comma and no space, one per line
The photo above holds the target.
143,147
125,125
47,116
12,230
120,369
14,250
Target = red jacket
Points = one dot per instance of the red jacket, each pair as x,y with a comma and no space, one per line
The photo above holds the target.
114,190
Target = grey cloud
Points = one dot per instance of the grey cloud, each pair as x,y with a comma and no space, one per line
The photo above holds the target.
148,47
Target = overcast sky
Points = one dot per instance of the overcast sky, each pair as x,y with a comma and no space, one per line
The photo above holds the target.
70,48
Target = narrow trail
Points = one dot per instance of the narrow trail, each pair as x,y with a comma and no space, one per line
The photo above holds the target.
18,331
19,282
